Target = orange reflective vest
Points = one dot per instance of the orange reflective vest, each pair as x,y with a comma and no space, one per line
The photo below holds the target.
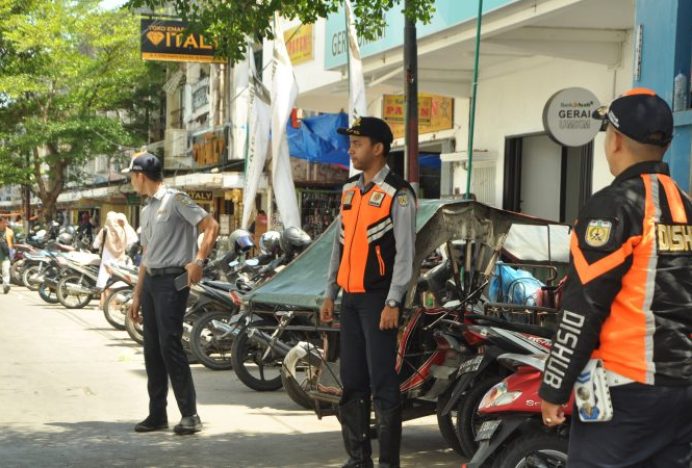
367,235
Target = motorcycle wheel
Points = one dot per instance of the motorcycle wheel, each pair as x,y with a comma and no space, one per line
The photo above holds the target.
16,271
213,352
134,329
29,277
262,375
115,306
446,423
298,375
70,300
468,419
47,293
534,449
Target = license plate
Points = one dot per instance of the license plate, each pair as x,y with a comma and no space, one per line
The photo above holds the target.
472,365
487,430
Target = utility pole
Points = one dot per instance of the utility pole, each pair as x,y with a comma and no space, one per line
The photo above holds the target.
474,88
411,87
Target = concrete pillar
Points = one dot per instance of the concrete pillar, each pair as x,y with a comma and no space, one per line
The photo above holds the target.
666,50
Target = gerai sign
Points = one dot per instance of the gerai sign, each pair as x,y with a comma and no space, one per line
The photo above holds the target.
567,117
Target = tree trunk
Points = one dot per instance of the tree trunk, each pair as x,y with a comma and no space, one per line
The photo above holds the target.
49,189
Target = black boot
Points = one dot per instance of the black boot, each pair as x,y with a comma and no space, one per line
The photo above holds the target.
389,436
355,428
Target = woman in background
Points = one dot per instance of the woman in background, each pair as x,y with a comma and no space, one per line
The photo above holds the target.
112,241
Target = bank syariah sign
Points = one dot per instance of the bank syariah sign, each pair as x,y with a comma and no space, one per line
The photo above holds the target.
567,117
169,41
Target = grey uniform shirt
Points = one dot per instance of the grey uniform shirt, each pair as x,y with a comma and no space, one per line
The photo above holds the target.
404,220
169,228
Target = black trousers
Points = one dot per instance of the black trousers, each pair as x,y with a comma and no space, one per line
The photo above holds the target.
368,354
163,309
651,428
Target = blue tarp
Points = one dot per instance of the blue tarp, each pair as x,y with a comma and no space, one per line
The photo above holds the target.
316,140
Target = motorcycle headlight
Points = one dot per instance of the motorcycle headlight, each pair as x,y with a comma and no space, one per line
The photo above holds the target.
498,396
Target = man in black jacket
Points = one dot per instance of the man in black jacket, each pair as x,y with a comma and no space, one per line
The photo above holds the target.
628,301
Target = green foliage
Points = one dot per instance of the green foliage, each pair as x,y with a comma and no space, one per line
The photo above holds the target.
69,72
230,22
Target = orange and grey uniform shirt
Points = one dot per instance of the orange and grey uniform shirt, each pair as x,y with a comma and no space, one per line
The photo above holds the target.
373,250
628,297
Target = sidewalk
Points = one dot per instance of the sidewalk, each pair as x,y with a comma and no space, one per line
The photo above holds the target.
72,388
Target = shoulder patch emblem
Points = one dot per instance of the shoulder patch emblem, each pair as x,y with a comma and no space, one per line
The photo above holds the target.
376,199
184,199
598,232
402,199
348,197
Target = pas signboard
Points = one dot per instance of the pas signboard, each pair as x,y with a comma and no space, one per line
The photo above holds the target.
299,43
168,41
435,113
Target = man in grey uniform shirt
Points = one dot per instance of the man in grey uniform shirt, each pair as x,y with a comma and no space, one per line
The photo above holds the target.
372,261
170,222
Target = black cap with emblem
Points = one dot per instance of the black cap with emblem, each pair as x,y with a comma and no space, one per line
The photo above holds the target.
372,127
148,164
641,115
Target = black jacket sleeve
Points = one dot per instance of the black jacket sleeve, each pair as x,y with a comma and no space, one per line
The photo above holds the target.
600,255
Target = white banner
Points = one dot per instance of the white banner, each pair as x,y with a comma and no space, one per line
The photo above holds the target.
258,128
240,105
357,104
284,92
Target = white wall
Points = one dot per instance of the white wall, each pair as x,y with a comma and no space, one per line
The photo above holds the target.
512,104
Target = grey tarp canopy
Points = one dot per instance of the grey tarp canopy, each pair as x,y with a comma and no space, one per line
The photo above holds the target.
302,284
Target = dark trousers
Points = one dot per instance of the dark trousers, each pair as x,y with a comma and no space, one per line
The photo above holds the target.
368,354
651,428
163,309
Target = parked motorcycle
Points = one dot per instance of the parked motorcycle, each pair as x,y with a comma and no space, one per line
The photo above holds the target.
512,434
122,279
78,285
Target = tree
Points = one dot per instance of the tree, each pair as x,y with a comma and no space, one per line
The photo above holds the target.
69,71
230,22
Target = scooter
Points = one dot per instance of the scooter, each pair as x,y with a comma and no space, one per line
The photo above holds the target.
489,337
78,285
512,434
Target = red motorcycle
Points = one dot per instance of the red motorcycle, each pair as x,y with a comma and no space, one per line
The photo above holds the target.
512,433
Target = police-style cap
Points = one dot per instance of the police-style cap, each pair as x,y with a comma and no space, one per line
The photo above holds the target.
641,115
147,163
372,127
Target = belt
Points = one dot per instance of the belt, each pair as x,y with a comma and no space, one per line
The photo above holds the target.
165,271
615,380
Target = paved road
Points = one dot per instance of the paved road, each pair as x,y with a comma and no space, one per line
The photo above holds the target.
71,389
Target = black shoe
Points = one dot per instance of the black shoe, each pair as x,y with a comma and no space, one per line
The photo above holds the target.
5,288
389,436
355,431
151,425
188,425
